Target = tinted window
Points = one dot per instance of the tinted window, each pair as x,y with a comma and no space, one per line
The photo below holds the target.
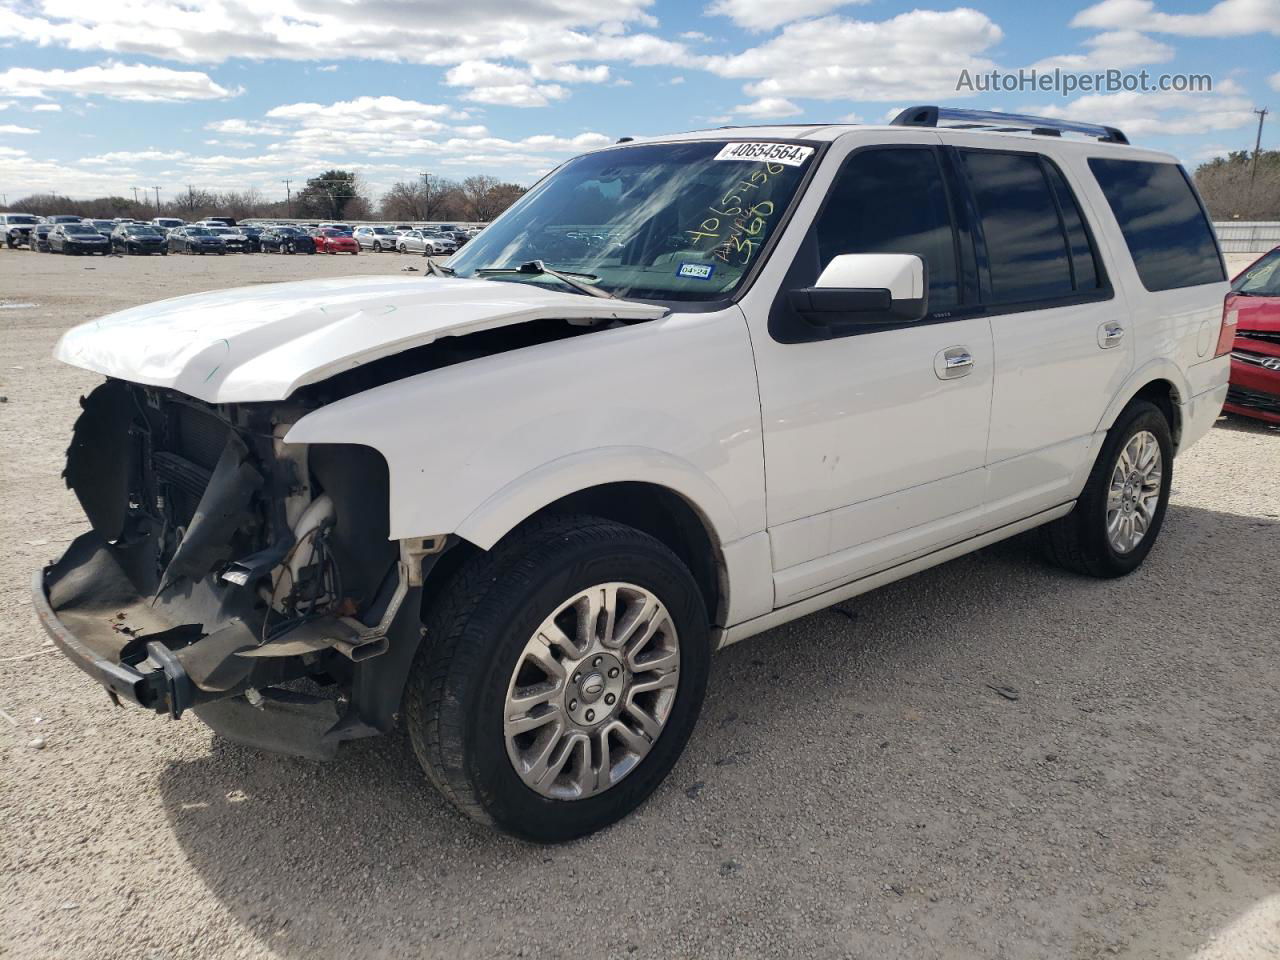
1162,221
892,201
1084,265
1026,247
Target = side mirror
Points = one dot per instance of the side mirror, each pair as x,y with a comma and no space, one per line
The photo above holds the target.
865,288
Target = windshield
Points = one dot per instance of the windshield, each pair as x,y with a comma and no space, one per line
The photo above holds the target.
80,230
18,218
673,221
198,232
141,231
1262,279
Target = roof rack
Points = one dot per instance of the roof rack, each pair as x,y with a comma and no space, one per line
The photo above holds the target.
1004,123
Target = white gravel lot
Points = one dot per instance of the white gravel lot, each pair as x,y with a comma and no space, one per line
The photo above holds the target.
854,788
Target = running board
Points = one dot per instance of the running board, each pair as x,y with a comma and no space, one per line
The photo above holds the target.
802,608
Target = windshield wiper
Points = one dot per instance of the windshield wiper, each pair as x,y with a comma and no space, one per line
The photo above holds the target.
438,270
538,268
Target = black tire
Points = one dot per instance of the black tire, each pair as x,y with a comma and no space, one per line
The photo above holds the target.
1079,541
477,629
377,246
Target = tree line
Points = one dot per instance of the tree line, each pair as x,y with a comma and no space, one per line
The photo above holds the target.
332,195
1233,189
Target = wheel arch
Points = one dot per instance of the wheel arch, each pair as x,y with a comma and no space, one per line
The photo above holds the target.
1161,383
674,505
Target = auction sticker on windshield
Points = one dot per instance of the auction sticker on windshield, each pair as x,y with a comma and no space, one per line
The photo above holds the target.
790,154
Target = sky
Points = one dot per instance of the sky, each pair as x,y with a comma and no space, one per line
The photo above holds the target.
98,97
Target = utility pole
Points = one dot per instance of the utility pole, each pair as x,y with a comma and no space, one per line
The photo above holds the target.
288,197
191,197
1257,146
135,196
157,190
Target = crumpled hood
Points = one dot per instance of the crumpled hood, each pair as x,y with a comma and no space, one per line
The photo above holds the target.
263,342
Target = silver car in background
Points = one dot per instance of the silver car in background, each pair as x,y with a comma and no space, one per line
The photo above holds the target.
420,241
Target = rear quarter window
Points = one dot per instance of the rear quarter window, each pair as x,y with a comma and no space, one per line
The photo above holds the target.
1163,223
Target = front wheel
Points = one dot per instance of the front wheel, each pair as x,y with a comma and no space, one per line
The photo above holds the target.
1116,521
561,676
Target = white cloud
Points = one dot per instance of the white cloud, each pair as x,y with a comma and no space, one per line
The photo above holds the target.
768,108
440,32
914,55
517,94
117,81
1229,18
762,15
509,86
330,68
1114,49
15,129
243,128
1275,81
676,81
47,108
1157,114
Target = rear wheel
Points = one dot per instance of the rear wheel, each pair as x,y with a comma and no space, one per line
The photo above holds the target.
561,677
1119,514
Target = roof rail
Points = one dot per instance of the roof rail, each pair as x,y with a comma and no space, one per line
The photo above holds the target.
1004,122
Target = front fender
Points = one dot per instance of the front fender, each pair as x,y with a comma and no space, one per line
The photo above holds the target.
476,447
529,493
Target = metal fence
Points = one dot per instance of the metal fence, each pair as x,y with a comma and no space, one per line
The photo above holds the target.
1247,236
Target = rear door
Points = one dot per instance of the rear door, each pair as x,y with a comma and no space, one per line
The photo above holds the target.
1062,344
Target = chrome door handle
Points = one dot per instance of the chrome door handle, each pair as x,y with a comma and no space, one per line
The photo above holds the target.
1110,335
952,363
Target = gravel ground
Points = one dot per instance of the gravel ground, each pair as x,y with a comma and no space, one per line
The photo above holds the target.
855,788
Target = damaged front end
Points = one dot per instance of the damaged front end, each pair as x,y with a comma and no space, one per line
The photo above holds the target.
226,572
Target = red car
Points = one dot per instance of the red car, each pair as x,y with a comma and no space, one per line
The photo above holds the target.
335,241
1255,356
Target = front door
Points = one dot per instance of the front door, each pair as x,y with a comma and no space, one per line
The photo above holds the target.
875,437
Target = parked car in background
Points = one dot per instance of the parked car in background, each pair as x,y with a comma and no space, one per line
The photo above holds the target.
445,240
252,236
104,227
402,228
77,238
232,238
217,222
17,228
376,239
66,218
418,241
39,239
165,224
341,227
286,239
334,241
138,238
1255,354
195,239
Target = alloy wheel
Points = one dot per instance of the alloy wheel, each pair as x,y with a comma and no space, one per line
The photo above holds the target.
1134,493
592,691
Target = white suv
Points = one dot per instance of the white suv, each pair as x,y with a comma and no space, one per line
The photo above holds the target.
376,239
685,390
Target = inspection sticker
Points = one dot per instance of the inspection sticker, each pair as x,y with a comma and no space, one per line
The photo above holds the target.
696,271
790,154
